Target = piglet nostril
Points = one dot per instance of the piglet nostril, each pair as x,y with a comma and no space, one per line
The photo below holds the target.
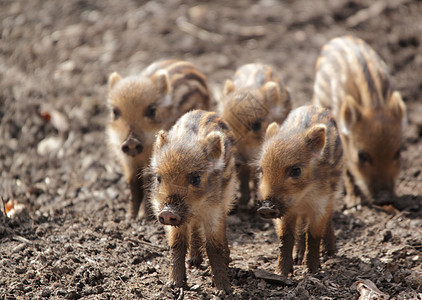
139,148
125,149
132,147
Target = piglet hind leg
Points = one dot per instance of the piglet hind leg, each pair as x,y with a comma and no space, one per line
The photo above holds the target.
177,240
218,253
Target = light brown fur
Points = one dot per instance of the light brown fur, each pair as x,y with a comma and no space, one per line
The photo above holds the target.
354,82
142,105
194,186
252,100
301,170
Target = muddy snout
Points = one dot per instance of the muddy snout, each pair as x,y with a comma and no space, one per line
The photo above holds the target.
384,197
132,146
169,217
268,210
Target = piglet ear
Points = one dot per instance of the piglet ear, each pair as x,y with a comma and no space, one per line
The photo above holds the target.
272,130
162,81
315,138
113,79
228,87
271,91
397,107
160,140
214,145
350,114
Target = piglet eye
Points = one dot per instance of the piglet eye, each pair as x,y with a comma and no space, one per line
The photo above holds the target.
256,126
151,111
364,157
295,172
115,112
194,179
158,178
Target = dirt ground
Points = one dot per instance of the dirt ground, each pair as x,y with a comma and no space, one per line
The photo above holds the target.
73,239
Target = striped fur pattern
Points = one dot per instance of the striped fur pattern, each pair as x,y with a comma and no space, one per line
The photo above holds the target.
252,100
193,189
301,168
354,82
143,104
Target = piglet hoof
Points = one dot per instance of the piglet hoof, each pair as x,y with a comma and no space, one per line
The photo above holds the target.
194,262
313,267
176,284
223,286
222,293
285,268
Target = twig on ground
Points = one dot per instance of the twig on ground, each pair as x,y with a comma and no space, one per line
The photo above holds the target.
272,278
147,244
198,32
21,239
372,11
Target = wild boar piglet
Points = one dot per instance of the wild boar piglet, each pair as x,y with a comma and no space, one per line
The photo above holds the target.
194,186
301,167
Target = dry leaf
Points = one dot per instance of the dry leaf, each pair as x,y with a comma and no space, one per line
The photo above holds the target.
369,291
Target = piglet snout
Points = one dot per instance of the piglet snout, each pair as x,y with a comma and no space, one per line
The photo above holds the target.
168,217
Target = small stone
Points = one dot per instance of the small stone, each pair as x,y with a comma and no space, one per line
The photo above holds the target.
49,145
60,293
137,292
136,260
20,270
387,236
30,275
72,295
45,293
40,231
99,289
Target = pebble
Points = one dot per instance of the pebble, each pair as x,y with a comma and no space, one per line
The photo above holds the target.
49,145
20,270
45,293
72,295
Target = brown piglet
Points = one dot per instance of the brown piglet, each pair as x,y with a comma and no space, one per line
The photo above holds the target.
253,99
353,81
301,168
142,105
193,189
